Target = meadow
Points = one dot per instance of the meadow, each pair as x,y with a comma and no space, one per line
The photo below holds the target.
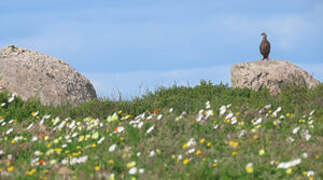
203,132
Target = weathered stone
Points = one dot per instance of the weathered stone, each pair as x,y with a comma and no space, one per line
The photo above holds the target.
30,74
272,74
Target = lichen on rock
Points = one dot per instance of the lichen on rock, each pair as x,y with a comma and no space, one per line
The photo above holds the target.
30,74
272,74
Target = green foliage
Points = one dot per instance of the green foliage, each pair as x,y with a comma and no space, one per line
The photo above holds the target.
170,135
181,98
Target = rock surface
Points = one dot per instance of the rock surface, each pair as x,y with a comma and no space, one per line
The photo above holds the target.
30,74
272,74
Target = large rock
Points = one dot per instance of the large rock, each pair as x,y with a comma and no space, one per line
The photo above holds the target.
272,74
30,74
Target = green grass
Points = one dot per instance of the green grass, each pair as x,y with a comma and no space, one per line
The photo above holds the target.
49,150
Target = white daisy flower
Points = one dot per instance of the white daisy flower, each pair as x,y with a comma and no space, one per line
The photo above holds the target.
11,99
34,139
9,131
133,170
304,155
310,173
191,142
159,117
150,129
229,116
141,170
295,130
223,109
286,165
101,140
258,121
112,147
152,153
207,105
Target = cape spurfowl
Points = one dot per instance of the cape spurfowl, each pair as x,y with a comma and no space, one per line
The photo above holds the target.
264,47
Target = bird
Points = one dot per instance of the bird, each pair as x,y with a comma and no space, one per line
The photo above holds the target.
264,47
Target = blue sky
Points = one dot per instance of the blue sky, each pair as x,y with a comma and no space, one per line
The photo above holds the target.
129,46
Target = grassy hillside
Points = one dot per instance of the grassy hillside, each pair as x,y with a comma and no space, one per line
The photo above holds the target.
208,131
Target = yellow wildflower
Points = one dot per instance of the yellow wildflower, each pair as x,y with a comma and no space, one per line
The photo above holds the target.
289,171
131,164
185,146
261,152
31,172
301,121
202,141
317,157
111,161
81,138
97,168
93,145
121,138
198,152
13,141
255,137
58,150
11,168
56,141
185,161
158,151
233,144
95,135
209,144
87,137
234,153
34,113
249,168
120,111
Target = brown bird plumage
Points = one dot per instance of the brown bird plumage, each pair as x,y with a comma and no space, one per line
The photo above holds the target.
264,47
